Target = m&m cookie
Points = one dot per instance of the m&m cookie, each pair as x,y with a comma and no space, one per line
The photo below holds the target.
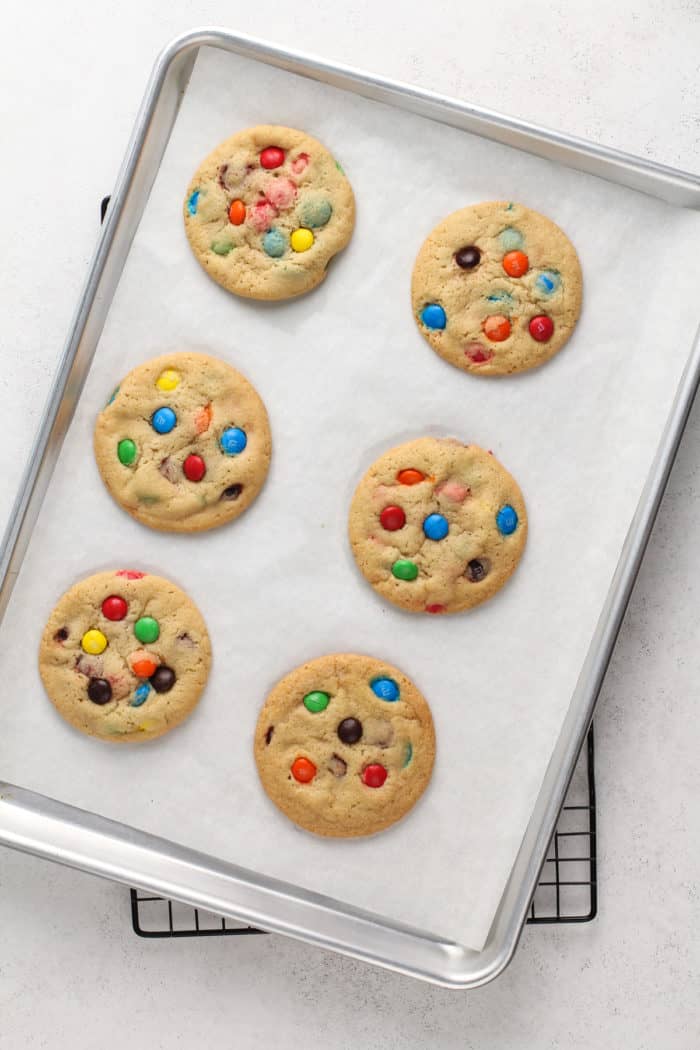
437,526
496,288
184,443
345,745
124,656
267,211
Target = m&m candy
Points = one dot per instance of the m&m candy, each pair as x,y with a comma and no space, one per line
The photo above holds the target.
541,328
433,316
467,258
392,518
316,701
126,452
143,664
140,695
496,328
169,379
274,243
93,642
99,691
272,157
233,441
194,468
350,730
163,679
385,689
507,520
301,240
374,775
147,630
436,526
236,213
163,420
515,263
303,770
404,569
409,476
114,607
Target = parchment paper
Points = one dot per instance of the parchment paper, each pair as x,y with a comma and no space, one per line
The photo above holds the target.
345,375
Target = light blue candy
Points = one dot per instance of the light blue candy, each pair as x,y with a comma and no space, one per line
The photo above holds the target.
141,695
433,316
511,239
436,526
547,282
163,420
504,298
507,520
385,689
233,441
274,243
192,202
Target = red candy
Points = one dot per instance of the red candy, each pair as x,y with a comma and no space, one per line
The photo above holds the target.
478,354
435,608
194,468
392,519
374,776
303,770
114,607
272,157
131,574
542,328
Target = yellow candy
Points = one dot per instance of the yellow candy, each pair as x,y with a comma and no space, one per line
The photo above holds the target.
168,379
93,642
301,240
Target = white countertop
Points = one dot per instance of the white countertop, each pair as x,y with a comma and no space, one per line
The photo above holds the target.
71,971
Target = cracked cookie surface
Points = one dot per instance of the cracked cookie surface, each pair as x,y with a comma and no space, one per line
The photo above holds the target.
345,745
184,443
124,656
267,210
496,288
437,526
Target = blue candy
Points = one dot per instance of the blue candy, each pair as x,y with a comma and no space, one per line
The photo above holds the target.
274,243
507,520
233,441
385,689
163,420
547,282
433,316
436,527
192,203
141,695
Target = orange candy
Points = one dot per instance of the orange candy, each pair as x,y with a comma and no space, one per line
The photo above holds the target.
515,263
496,328
202,419
409,476
144,668
236,213
303,770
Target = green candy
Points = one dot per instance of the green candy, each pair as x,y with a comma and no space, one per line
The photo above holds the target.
222,247
339,168
315,213
407,754
403,569
126,450
147,630
316,701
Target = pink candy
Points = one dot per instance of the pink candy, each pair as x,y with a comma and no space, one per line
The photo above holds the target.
281,192
299,163
261,215
453,490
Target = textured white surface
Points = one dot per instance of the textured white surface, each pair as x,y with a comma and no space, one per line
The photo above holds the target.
71,973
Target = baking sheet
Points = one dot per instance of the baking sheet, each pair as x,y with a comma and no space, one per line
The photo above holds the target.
345,374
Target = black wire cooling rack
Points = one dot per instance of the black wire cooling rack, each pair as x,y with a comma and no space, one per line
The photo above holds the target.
567,890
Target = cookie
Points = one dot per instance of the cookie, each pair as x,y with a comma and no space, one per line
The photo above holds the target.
183,443
124,656
267,211
437,526
345,745
496,288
